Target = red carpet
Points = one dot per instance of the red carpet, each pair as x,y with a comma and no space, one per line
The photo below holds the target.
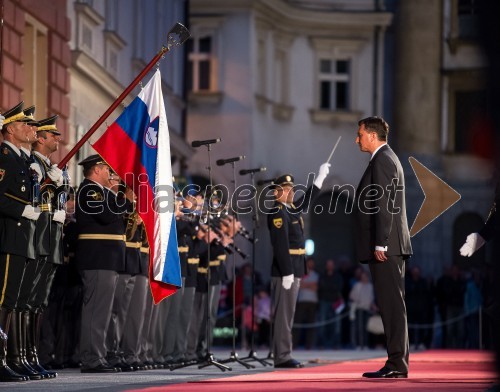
433,370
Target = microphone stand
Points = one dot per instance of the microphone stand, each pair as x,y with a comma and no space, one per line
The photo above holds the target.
234,356
209,358
252,355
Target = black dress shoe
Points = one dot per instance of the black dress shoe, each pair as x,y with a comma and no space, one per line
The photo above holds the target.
8,375
385,373
291,363
124,367
99,369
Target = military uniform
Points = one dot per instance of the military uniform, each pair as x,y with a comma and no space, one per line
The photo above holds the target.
49,249
100,255
16,235
287,238
132,337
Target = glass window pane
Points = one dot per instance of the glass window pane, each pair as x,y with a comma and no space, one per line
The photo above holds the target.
324,100
206,45
341,95
189,45
204,75
189,76
325,66
342,66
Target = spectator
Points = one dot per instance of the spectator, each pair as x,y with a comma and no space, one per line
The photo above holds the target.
453,296
420,308
472,303
307,303
331,304
361,297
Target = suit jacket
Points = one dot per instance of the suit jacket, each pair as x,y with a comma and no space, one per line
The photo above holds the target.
381,208
286,227
16,233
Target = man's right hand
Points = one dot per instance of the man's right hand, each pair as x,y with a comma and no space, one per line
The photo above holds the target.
30,213
287,281
473,242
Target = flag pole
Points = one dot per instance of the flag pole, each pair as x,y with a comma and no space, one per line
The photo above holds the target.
176,37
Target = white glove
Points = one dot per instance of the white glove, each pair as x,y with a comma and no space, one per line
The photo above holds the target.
473,242
323,171
287,281
30,213
59,216
56,175
1,120
36,167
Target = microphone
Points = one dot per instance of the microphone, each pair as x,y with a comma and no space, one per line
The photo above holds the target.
264,182
222,162
249,171
198,143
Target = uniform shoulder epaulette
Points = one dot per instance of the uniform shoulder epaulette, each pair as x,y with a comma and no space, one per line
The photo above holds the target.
5,151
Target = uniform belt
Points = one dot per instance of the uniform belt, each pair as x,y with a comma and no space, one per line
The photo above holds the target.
202,270
135,245
144,249
214,263
193,260
115,237
183,249
45,207
297,251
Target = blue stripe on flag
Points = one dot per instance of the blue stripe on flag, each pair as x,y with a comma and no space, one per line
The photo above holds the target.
135,121
171,269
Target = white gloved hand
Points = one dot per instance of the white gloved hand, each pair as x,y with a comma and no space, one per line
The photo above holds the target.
59,216
473,242
323,171
1,120
36,168
287,281
56,175
30,213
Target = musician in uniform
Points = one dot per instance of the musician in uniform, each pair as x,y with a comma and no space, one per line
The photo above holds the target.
17,223
100,255
287,238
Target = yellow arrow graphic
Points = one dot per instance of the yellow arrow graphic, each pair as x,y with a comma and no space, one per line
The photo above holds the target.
439,196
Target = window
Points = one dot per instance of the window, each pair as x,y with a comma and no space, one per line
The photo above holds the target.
86,37
35,57
200,64
470,109
334,83
468,18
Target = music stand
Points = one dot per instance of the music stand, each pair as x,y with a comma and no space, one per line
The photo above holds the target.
234,356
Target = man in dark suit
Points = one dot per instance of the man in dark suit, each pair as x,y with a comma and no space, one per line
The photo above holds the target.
383,239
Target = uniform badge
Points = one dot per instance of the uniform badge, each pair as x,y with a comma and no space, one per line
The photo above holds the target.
97,196
2,174
278,222
5,151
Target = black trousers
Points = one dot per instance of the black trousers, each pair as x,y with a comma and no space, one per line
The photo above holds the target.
389,284
11,277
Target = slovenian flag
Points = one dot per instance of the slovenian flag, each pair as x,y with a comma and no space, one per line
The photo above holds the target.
137,147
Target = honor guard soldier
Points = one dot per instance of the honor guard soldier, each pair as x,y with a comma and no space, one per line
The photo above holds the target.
17,226
49,231
286,227
17,342
100,255
132,337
